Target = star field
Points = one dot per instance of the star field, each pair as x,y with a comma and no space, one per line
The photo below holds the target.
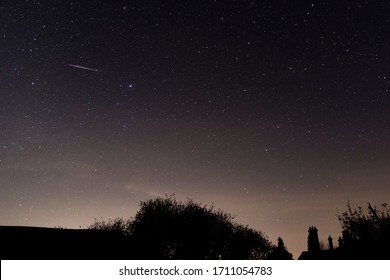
276,112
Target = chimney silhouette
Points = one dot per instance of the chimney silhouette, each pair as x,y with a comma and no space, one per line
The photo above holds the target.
313,244
330,240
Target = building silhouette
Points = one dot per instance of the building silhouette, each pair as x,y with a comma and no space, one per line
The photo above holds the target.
314,250
348,248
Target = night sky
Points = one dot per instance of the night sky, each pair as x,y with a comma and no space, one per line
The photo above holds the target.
275,111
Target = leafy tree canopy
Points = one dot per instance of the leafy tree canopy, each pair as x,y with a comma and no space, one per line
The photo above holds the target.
165,228
366,230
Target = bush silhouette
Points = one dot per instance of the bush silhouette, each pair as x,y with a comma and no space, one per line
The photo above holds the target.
165,228
118,224
366,232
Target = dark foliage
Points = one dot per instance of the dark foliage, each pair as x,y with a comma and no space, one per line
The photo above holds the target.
165,228
118,224
366,232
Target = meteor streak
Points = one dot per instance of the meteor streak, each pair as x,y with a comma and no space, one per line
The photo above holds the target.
82,67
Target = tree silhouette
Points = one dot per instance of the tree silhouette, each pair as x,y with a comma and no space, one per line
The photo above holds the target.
165,228
247,243
169,229
366,232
